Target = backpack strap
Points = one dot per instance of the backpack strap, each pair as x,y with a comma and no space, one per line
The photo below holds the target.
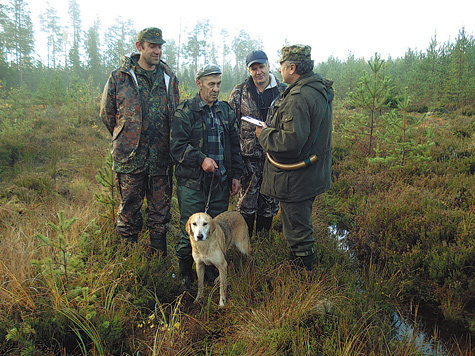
238,108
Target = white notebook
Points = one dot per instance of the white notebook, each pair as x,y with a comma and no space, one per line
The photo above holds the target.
252,120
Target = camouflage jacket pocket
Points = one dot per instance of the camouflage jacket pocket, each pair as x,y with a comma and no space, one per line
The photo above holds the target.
250,146
117,130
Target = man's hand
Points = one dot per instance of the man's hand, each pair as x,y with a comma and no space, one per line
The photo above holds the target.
260,128
235,186
209,165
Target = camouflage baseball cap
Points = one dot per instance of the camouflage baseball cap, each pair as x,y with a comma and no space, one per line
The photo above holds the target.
208,69
151,35
295,53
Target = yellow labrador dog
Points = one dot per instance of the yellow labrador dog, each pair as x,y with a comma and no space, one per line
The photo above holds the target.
210,239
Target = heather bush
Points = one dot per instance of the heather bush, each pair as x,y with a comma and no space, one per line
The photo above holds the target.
416,220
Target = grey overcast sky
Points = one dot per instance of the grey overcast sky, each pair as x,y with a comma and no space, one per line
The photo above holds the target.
333,28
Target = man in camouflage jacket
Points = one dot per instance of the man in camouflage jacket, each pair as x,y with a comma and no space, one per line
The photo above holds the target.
137,104
300,129
253,98
204,142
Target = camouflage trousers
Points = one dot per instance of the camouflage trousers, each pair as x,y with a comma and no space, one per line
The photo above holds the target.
250,198
133,189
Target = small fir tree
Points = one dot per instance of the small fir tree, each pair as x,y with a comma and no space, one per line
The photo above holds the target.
108,198
398,138
371,96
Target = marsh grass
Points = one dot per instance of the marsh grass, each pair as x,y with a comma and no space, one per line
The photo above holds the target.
121,300
288,300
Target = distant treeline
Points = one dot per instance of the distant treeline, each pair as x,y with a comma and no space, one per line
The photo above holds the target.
442,77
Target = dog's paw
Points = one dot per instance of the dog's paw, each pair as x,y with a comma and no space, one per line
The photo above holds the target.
198,299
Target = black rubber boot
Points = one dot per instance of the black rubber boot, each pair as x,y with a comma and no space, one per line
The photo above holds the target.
309,261
211,274
186,272
158,243
302,260
131,239
249,218
263,223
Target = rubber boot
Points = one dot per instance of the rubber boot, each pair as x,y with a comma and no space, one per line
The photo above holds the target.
302,260
263,223
186,272
158,243
249,218
131,239
309,261
211,274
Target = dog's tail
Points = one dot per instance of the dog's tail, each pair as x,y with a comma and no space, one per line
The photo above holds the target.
243,243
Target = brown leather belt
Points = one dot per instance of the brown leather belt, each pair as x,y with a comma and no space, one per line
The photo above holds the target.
293,166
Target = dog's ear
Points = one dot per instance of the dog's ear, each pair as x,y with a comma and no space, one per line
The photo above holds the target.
212,226
187,227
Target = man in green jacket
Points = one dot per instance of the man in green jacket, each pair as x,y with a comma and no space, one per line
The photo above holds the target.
138,102
204,145
298,145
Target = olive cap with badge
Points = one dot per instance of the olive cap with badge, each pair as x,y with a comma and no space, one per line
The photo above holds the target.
295,53
151,35
208,69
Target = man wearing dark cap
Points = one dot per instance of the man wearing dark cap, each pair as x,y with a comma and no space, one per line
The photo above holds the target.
204,141
298,146
253,98
137,105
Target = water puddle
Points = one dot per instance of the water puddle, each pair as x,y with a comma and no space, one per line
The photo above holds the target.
340,235
406,329
426,345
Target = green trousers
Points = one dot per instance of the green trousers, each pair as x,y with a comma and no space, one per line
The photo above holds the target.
297,226
192,201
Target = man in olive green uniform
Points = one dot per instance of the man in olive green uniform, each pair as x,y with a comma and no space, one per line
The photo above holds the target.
137,105
204,141
298,144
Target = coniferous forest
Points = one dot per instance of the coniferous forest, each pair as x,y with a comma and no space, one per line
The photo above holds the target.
395,233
